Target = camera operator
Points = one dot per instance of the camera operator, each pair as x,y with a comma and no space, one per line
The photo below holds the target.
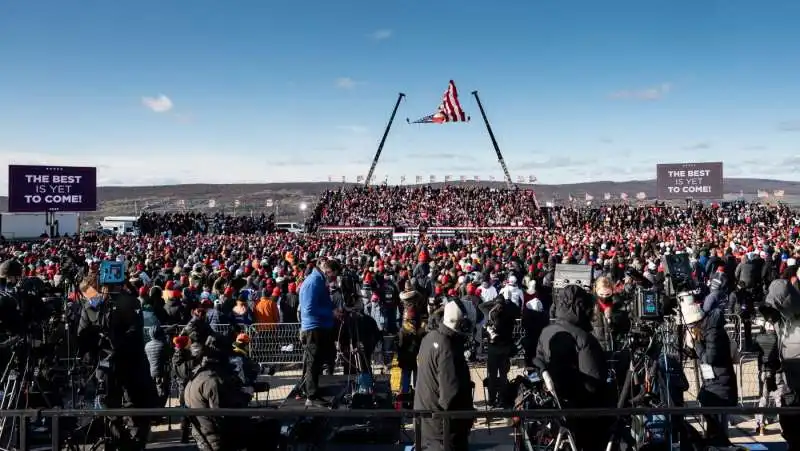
782,307
316,324
110,335
706,336
502,313
577,364
11,321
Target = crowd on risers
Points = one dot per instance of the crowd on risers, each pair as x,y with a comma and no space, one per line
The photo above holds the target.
185,223
436,207
244,277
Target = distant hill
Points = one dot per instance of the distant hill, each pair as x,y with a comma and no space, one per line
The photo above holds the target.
287,197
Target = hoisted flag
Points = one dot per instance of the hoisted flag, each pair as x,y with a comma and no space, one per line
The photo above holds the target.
449,110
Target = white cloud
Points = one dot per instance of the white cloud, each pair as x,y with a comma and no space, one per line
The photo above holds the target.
358,129
380,35
651,93
345,83
160,104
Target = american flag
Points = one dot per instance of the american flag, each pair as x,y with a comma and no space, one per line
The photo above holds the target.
623,196
763,193
589,197
359,178
449,110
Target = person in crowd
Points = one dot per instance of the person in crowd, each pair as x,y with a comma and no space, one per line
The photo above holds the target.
782,308
444,382
243,366
267,311
241,313
772,386
534,319
502,314
316,326
610,321
573,357
209,388
512,292
157,351
717,298
289,304
706,336
182,369
409,339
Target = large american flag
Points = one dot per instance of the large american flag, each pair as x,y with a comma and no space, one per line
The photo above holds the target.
449,110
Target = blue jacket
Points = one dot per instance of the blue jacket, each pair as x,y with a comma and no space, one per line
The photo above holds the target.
316,306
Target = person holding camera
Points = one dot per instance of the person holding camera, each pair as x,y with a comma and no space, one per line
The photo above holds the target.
573,357
110,335
706,336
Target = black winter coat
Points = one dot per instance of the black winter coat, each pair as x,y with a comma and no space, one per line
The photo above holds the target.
714,349
572,355
443,384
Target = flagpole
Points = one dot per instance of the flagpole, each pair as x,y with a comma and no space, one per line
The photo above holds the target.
383,140
500,159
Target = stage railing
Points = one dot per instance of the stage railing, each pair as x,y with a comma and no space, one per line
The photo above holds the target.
416,415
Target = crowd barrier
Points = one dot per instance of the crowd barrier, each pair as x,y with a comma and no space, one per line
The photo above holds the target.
279,343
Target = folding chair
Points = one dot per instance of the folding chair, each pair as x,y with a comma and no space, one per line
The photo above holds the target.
564,435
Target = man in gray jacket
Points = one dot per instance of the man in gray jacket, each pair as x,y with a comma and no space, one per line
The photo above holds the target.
782,307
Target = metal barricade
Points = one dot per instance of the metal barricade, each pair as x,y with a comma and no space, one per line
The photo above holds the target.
276,343
733,326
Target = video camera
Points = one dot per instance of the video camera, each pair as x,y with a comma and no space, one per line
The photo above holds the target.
648,305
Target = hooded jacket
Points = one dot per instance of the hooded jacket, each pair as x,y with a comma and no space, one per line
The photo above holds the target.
714,349
784,301
572,355
208,389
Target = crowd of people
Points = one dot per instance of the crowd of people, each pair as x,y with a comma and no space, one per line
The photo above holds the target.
438,296
436,207
188,223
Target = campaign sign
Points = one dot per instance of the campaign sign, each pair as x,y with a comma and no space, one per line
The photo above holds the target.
695,180
36,189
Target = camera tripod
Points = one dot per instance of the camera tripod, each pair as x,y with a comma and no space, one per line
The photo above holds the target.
23,387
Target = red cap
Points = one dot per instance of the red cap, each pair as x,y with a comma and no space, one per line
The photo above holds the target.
276,292
170,285
143,291
470,289
292,287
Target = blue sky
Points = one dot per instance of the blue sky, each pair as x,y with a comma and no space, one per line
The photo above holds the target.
155,91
